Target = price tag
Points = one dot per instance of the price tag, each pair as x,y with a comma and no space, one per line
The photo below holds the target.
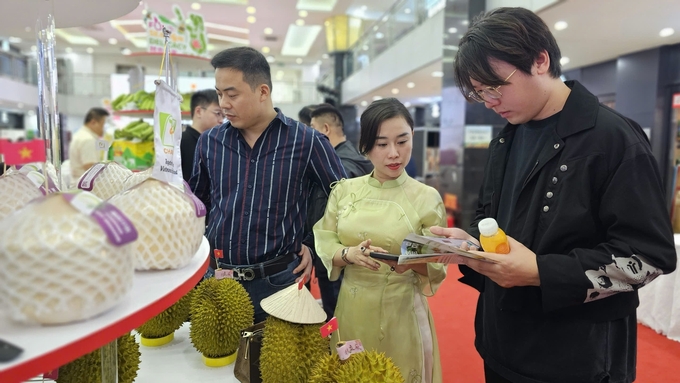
348,348
222,274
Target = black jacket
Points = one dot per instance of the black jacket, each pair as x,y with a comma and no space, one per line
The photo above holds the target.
355,165
592,209
187,148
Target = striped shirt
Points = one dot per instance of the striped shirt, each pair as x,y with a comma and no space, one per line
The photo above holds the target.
257,197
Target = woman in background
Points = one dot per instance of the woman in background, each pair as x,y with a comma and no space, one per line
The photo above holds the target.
383,304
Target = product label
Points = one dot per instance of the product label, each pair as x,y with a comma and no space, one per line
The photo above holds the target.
222,274
198,204
87,180
167,135
348,348
33,173
115,224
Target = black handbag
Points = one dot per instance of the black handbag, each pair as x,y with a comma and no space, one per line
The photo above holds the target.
247,365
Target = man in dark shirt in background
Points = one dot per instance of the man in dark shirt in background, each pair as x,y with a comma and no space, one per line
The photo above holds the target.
327,120
205,114
254,174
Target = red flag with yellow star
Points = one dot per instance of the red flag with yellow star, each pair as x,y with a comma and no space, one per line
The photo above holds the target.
23,152
329,327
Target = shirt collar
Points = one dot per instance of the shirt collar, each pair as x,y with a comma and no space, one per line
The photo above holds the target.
388,184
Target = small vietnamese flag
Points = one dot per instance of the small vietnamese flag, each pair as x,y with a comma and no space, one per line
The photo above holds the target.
24,152
219,253
330,327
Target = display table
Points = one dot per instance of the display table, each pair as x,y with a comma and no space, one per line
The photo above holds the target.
660,303
179,362
48,347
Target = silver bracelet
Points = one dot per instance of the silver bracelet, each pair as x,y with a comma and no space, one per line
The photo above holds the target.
343,256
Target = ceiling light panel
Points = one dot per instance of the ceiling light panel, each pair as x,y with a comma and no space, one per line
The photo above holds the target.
75,37
239,2
214,36
316,5
299,39
226,28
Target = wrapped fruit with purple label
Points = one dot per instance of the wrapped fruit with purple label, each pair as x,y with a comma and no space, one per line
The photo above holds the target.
170,222
65,257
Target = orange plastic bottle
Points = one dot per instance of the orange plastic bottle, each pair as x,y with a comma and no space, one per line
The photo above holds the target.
492,238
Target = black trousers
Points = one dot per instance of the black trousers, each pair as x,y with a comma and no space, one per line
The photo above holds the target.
491,376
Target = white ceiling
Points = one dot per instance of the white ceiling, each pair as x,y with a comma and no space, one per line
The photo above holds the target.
598,31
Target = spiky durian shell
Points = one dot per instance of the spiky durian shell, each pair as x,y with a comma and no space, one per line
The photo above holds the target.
220,309
363,367
312,346
88,369
324,369
168,321
289,351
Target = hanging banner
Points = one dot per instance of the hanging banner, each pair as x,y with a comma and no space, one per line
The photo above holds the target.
167,135
188,35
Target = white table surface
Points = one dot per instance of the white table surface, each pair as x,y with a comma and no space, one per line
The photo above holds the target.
48,347
660,303
179,362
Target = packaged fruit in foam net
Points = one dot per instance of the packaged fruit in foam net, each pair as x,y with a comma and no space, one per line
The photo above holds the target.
65,257
170,222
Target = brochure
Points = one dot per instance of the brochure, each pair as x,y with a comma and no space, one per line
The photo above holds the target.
420,249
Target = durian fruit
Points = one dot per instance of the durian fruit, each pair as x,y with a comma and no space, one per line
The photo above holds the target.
169,230
363,367
104,179
16,190
160,329
324,369
88,369
220,309
57,265
137,178
290,351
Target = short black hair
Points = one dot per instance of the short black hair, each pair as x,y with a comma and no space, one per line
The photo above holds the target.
95,114
305,114
378,112
329,111
203,98
516,36
248,61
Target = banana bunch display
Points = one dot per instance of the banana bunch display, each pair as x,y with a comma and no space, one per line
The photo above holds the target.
136,129
139,100
142,100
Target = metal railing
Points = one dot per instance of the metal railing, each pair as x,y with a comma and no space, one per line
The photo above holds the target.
398,21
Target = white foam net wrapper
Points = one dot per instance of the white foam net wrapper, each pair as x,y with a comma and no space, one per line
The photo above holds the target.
57,265
137,178
16,190
169,233
109,181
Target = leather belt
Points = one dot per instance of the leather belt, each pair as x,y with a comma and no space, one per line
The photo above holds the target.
260,270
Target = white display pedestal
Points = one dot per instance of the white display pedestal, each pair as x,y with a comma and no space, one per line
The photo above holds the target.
660,303
48,347
179,362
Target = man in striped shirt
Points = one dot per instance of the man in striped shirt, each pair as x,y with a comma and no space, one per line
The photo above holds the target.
254,174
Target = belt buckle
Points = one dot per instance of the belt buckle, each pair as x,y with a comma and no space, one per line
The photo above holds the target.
246,274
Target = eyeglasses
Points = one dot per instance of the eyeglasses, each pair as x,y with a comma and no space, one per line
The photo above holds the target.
488,93
217,113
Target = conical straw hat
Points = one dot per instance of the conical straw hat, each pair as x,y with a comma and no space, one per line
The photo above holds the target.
293,305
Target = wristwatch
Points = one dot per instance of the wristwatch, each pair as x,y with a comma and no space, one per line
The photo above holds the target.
343,256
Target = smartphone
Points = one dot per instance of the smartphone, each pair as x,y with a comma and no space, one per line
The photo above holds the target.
384,256
8,351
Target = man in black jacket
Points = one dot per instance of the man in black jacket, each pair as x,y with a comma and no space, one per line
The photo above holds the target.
327,120
575,186
205,114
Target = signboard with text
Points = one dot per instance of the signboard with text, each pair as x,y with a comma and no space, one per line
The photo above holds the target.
187,35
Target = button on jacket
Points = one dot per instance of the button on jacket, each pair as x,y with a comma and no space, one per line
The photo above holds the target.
593,210
257,197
